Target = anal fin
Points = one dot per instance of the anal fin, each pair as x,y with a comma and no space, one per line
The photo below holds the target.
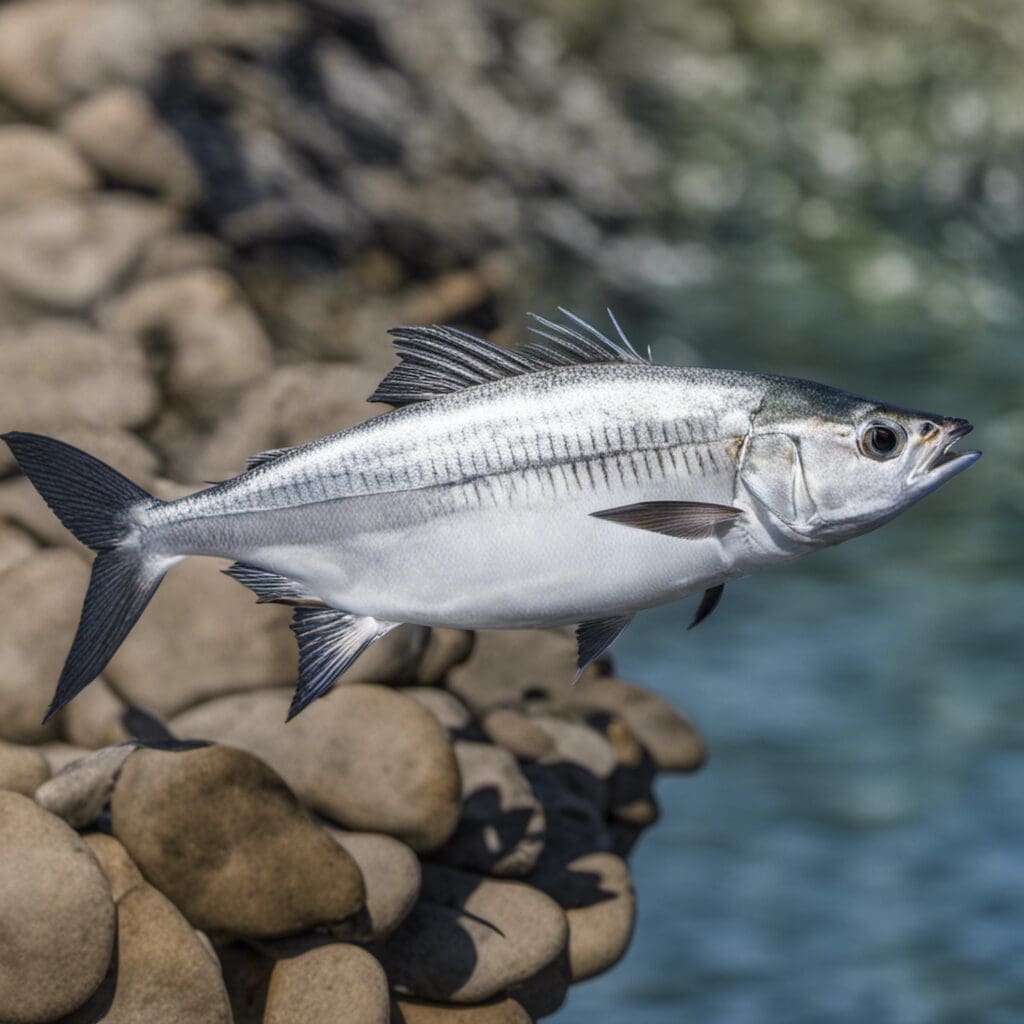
595,636
329,642
708,603
270,587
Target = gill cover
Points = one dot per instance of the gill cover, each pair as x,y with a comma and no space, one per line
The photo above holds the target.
773,473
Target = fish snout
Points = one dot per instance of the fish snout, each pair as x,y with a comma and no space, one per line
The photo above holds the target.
950,430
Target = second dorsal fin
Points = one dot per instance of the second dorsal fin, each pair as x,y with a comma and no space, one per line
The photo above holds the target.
439,360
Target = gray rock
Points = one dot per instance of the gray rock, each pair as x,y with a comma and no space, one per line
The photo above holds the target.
367,757
391,876
36,163
501,828
79,792
120,133
333,984
22,769
471,938
67,251
58,914
207,824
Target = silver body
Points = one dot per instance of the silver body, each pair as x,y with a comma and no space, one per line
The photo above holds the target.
473,509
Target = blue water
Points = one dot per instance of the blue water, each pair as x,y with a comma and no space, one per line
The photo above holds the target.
854,849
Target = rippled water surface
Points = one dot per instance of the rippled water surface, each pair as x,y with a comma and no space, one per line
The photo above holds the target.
852,851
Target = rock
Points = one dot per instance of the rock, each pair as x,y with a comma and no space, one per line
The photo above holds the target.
58,372
246,971
22,769
95,718
58,915
445,649
292,405
501,828
121,134
207,824
120,870
471,938
367,757
444,706
575,743
335,984
59,755
518,733
15,546
597,893
507,666
67,251
36,163
543,993
214,343
173,253
79,792
202,635
391,876
40,599
574,809
498,1011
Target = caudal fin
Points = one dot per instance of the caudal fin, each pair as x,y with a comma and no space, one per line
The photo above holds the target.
95,503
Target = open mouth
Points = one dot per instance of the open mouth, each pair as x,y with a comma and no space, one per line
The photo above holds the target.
946,454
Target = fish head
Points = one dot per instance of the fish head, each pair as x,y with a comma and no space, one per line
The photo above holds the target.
828,465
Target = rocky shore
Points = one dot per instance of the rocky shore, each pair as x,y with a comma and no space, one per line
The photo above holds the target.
199,254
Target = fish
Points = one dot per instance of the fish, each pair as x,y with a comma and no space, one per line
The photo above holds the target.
570,482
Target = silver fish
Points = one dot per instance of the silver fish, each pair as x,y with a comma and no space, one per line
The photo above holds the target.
569,482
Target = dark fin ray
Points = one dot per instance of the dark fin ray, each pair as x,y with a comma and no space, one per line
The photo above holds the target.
595,636
119,589
708,603
329,642
691,520
270,455
269,587
145,727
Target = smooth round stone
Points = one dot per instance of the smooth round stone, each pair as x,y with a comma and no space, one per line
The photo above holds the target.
367,757
164,972
391,875
333,984
501,828
59,754
222,836
470,938
22,769
57,912
121,871
577,743
15,545
498,1011
517,733
444,706
36,163
445,649
79,791
574,805
95,717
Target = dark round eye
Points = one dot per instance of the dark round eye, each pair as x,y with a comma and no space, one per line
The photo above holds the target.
883,440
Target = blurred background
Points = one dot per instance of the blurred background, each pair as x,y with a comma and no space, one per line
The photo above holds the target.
255,191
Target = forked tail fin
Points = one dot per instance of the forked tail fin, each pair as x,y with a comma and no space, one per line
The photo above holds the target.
95,503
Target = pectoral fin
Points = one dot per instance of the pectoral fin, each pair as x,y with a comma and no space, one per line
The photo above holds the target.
329,641
708,603
593,638
692,520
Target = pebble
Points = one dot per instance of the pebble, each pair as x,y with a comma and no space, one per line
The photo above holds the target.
497,1011
207,824
517,733
444,706
501,828
95,718
445,649
121,134
79,792
36,163
577,744
216,345
367,757
470,938
41,597
22,769
15,546
65,252
333,984
120,870
391,876
202,635
57,912
59,754
574,809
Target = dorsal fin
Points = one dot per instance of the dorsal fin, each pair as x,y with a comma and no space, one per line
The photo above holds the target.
262,458
439,360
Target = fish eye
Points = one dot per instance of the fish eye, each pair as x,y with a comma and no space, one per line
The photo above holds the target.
881,441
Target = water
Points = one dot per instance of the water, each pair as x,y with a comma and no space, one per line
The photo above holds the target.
853,849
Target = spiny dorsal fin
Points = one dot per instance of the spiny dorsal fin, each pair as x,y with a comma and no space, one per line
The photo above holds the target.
708,603
329,641
595,636
439,360
690,520
262,458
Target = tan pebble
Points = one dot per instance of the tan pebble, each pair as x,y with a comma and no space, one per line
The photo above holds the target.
444,706
498,1011
367,757
209,823
121,871
22,769
79,792
58,915
59,754
334,984
95,718
15,546
518,734
445,649
543,993
577,743
36,163
246,971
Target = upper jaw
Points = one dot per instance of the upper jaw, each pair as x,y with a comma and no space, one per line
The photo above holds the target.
945,461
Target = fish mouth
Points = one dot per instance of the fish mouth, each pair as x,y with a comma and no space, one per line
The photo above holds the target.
947,457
